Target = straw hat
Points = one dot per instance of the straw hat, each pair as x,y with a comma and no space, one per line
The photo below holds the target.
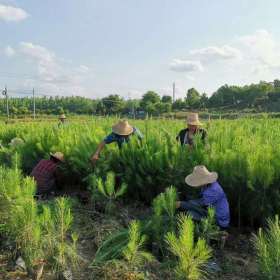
62,116
193,119
201,177
16,142
122,128
58,155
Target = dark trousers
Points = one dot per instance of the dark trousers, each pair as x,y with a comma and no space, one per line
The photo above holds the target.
194,208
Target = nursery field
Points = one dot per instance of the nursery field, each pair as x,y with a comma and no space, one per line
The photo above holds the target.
117,219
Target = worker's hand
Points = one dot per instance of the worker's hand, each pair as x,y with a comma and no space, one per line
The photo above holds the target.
94,158
178,204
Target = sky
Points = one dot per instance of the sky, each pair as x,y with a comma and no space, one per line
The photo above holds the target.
94,48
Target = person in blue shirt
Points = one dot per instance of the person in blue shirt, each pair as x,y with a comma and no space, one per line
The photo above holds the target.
212,194
121,133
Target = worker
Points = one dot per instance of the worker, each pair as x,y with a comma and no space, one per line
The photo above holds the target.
186,136
121,133
16,142
212,195
45,173
62,120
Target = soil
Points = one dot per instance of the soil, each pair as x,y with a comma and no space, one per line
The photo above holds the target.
235,261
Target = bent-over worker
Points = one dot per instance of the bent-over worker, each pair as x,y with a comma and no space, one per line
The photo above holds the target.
45,173
121,133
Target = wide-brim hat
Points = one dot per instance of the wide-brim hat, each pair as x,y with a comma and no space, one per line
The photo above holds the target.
122,128
16,142
193,119
62,116
58,155
201,177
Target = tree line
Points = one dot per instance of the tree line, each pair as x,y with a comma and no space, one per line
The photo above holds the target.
264,96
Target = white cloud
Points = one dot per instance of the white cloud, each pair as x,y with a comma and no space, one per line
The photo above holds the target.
180,65
262,51
9,51
189,77
9,13
52,71
214,53
83,69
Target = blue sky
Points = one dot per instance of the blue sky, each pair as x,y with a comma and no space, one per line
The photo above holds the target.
99,47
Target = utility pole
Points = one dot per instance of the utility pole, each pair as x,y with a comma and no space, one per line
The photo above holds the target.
34,104
174,89
5,93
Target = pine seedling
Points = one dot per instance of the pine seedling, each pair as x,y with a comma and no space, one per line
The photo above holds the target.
108,190
164,208
192,256
267,245
134,254
208,228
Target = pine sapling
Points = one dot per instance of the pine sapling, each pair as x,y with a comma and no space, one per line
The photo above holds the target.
192,256
134,254
108,189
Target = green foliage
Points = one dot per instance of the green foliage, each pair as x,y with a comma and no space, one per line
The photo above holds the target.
267,245
192,256
40,233
108,189
208,228
112,247
134,254
56,223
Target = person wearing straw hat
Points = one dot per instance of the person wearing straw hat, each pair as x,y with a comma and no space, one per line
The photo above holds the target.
212,195
62,120
16,142
186,136
121,133
45,173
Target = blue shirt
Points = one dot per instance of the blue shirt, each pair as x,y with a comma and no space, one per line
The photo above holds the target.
213,195
120,139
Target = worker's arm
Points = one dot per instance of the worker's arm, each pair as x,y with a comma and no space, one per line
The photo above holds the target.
138,133
100,147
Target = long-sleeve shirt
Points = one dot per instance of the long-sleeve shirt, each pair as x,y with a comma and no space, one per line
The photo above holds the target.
120,139
44,175
185,139
213,195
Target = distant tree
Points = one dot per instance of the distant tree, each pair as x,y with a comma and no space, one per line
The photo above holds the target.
149,98
193,98
179,104
203,101
113,104
151,108
276,84
166,99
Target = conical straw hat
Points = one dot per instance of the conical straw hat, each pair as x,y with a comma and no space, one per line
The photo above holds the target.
201,177
62,116
122,128
58,155
193,119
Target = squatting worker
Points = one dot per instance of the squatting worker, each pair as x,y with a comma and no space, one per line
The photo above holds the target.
121,133
45,173
212,195
186,136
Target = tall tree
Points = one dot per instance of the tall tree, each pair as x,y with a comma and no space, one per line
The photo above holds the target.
166,99
193,98
149,98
